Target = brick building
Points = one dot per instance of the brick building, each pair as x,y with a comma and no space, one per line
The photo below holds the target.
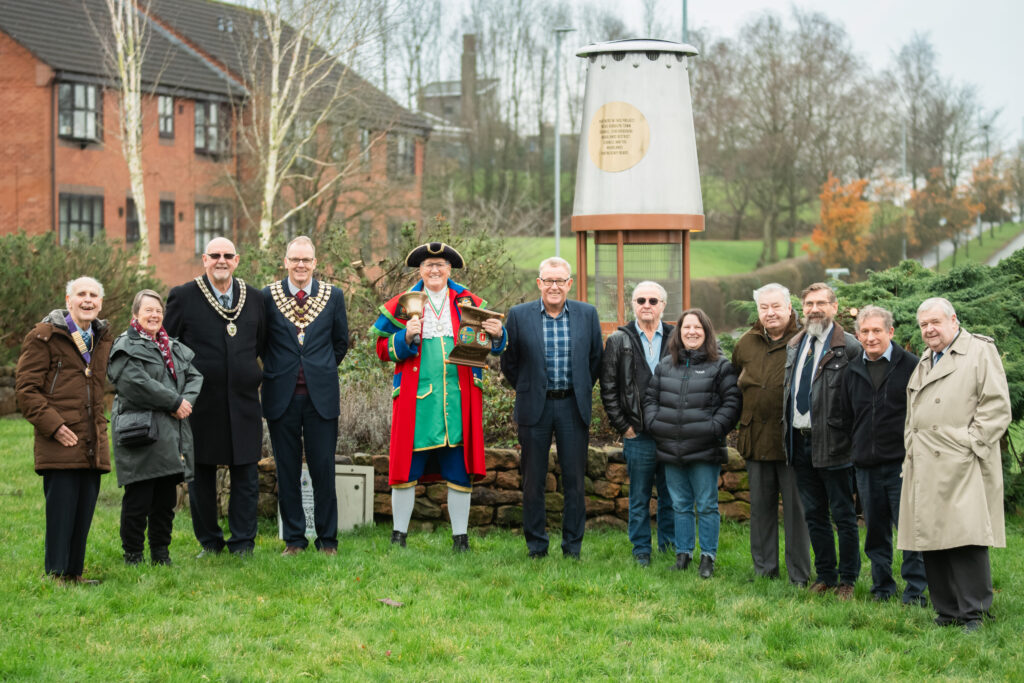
62,166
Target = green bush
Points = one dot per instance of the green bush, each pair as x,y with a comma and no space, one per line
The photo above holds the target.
34,271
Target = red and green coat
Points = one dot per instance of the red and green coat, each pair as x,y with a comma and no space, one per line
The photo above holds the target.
392,346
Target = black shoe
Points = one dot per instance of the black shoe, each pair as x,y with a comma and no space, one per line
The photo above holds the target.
244,552
132,558
643,559
398,538
707,566
946,621
161,556
208,551
973,625
460,543
537,554
919,601
570,555
682,562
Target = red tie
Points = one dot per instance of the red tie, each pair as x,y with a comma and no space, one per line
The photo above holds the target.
300,296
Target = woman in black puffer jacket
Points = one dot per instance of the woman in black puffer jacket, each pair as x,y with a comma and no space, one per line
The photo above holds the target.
692,402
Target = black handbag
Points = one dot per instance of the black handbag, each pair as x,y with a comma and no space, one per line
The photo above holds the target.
134,428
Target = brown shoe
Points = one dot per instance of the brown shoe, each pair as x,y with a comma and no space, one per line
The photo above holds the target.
329,551
844,592
291,550
821,588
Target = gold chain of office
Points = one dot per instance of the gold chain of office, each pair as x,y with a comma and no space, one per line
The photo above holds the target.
302,316
229,314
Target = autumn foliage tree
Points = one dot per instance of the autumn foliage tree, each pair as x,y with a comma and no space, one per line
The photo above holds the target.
843,235
943,211
989,190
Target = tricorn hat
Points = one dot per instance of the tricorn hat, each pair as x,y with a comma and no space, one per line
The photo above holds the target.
434,250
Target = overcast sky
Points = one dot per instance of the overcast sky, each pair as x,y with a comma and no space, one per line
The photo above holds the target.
979,42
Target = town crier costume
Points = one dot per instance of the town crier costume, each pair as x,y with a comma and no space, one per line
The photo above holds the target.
437,407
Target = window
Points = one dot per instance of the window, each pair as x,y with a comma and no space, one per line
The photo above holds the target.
364,148
401,156
212,220
167,222
81,218
79,111
131,222
211,137
165,115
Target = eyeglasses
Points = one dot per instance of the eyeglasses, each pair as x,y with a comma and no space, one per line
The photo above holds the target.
227,256
561,282
304,261
643,300
433,266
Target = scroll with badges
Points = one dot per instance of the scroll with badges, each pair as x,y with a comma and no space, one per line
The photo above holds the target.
472,343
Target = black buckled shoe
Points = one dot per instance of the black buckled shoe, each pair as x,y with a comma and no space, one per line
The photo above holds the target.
460,543
398,538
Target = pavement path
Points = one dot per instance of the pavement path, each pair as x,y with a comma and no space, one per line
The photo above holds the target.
1017,243
945,250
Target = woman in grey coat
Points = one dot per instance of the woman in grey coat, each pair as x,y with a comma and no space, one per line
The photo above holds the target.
152,372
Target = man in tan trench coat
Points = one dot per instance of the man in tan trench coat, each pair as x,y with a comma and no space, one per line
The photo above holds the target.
958,407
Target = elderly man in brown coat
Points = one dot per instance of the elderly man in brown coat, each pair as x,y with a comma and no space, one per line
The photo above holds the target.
760,358
958,408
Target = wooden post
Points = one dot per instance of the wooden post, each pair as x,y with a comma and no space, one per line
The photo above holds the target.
581,265
620,278
686,269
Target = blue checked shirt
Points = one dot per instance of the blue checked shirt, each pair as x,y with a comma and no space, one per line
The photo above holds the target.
557,359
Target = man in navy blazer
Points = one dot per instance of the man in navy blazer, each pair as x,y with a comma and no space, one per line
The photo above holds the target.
307,339
553,359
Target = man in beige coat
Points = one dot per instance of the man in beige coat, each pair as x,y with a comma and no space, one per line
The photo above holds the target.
958,407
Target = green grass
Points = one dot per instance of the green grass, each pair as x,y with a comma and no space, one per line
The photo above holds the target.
1004,234
708,258
489,615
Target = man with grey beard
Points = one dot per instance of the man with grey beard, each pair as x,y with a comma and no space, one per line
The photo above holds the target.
818,441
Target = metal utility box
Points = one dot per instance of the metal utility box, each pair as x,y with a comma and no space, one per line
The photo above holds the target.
354,487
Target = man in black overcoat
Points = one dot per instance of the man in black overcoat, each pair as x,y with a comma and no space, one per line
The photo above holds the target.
223,320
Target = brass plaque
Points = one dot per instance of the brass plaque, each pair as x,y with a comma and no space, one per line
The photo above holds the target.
619,137
472,344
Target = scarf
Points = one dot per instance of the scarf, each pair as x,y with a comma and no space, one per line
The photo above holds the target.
162,341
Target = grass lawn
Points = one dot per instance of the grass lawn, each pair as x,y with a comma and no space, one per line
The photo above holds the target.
991,243
708,258
490,615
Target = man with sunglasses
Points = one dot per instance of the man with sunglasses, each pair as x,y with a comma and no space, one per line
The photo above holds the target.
223,320
553,359
630,356
307,338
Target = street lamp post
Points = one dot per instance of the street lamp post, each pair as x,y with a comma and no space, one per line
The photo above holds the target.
559,34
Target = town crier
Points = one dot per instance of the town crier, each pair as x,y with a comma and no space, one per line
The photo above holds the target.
437,407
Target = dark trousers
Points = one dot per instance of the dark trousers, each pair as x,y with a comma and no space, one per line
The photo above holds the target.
768,480
560,419
149,502
959,582
879,488
824,492
302,425
70,503
242,507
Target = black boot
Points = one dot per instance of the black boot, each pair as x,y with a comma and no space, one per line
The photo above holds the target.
460,543
682,561
160,556
707,566
132,558
398,538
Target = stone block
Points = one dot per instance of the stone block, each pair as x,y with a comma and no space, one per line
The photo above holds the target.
743,495
437,493
508,480
553,462
488,496
488,479
480,514
267,465
380,483
736,510
624,490
501,458
422,525
382,503
736,461
617,473
554,502
606,489
615,454
588,485
508,515
426,509
622,506
363,459
736,481
340,459
550,483
597,462
380,464
607,522
724,496
599,506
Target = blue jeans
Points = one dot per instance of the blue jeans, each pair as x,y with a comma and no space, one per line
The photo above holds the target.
695,486
879,489
645,472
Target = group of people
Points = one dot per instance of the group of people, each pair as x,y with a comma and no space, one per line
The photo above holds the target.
824,417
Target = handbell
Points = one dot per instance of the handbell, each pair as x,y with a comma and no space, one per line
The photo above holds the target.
413,303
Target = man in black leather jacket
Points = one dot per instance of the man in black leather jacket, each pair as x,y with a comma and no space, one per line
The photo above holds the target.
630,356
